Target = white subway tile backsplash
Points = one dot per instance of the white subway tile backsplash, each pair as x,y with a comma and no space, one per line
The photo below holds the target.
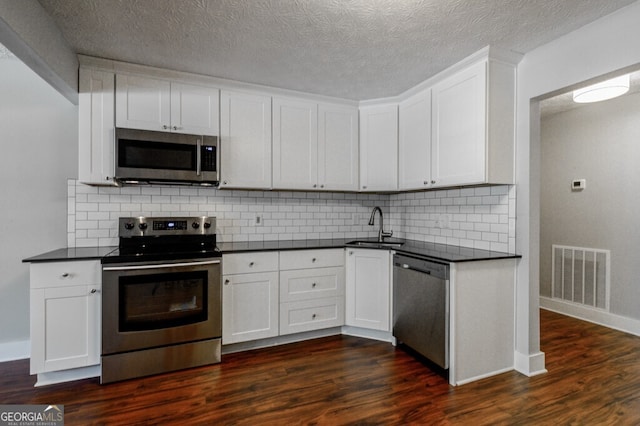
482,217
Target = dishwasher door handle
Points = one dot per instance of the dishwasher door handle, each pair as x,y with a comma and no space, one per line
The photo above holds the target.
409,267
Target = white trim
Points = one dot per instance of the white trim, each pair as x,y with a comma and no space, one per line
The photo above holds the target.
62,376
383,336
12,351
279,340
529,365
481,376
606,319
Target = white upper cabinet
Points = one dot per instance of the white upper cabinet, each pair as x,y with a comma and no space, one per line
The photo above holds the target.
338,147
295,144
379,148
315,146
194,109
245,147
154,104
414,142
473,125
96,125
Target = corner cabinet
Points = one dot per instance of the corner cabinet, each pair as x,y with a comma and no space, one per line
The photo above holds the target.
96,127
162,105
379,148
473,125
368,289
414,142
315,146
249,296
65,315
245,147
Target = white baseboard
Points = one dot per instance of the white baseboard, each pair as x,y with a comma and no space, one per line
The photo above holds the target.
11,351
529,364
383,336
606,319
62,376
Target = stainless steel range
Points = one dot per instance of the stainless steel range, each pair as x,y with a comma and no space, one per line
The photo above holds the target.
161,297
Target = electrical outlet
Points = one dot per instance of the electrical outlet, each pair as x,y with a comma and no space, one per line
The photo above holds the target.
258,221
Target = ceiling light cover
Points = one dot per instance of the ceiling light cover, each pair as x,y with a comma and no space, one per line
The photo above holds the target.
602,91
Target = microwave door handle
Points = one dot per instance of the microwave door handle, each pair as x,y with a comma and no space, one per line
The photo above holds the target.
198,156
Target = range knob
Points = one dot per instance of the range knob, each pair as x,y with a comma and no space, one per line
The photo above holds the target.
207,225
195,225
142,226
129,226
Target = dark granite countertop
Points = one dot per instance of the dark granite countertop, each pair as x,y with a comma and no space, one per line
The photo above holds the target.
73,253
441,252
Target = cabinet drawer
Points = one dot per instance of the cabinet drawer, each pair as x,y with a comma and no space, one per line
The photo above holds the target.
306,315
301,259
65,274
313,283
242,263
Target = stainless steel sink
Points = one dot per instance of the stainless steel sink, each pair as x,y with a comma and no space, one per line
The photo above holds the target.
375,244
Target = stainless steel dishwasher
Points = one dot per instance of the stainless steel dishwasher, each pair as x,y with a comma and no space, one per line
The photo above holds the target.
421,307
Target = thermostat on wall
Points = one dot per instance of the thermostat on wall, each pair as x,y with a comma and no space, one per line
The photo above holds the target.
578,184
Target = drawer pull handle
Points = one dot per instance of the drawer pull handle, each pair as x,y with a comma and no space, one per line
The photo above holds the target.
93,291
65,275
313,316
313,285
313,260
251,264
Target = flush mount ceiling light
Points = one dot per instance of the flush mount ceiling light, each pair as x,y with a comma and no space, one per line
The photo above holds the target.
602,91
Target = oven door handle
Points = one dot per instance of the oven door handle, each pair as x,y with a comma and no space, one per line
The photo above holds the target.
164,265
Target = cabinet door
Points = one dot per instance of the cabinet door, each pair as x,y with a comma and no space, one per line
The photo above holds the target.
379,148
368,289
245,146
295,144
337,147
250,307
96,127
194,109
143,103
65,328
414,142
459,128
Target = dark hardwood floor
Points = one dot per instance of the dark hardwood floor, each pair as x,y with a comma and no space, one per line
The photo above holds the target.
593,378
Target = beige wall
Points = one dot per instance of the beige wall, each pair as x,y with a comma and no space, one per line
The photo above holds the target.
598,142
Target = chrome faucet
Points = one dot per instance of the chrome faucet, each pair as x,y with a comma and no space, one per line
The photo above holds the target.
381,234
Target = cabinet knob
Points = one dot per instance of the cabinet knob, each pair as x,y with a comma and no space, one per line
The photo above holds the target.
321,186
224,182
433,181
313,260
314,185
313,285
313,316
176,127
93,291
350,253
364,186
426,182
165,127
65,275
251,264
226,282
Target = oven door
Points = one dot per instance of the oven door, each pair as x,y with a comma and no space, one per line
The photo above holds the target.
143,155
152,305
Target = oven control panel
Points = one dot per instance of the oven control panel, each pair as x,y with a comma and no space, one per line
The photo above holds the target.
157,226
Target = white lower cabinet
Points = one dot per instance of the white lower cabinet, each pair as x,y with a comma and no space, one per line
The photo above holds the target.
368,289
65,315
311,298
249,296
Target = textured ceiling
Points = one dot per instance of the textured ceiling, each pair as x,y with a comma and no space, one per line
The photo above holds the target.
354,49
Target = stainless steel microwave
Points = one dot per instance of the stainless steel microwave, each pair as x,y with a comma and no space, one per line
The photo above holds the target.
144,156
